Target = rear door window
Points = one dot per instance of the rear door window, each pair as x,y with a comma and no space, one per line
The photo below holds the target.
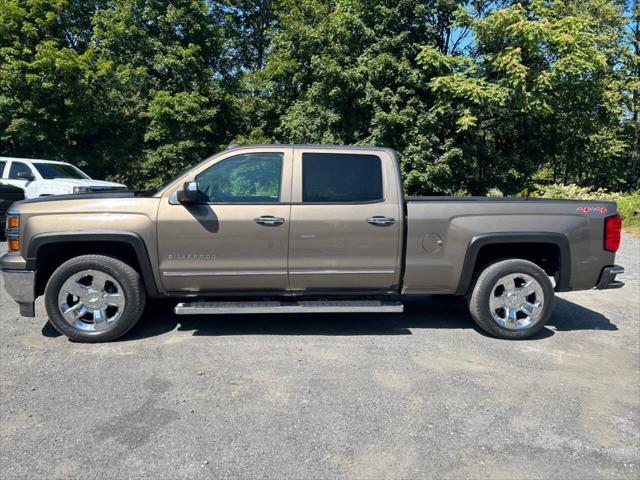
341,178
2,165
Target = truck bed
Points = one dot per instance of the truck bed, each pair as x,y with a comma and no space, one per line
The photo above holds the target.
445,236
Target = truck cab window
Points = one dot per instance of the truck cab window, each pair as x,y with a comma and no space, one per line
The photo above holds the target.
341,178
2,165
246,178
18,167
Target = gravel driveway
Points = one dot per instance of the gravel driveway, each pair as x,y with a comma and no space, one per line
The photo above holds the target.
417,395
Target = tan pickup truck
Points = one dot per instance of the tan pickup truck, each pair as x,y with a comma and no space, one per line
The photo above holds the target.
301,228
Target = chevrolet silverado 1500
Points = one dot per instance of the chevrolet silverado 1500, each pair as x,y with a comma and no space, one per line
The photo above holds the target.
301,228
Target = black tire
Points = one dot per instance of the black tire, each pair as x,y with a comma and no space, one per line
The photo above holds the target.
132,288
482,291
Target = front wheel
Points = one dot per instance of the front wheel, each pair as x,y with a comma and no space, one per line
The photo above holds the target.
94,298
512,299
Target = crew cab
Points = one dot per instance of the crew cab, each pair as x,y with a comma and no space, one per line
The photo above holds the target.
296,229
40,178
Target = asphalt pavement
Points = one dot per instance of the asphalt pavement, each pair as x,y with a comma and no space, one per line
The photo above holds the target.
421,394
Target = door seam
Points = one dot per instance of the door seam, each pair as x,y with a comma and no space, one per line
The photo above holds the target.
292,162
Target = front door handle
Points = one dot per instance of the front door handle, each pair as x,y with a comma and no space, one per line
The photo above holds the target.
379,220
269,220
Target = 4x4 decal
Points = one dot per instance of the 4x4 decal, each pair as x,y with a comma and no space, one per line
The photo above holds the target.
585,209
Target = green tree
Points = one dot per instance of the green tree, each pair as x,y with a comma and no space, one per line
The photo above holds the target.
129,89
248,32
347,72
542,89
46,79
166,61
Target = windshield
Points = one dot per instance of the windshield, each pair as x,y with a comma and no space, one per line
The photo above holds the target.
58,170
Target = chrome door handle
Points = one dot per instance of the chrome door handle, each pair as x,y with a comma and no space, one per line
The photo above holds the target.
378,220
269,220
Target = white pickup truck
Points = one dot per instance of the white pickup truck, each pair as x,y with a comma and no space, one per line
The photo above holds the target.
40,178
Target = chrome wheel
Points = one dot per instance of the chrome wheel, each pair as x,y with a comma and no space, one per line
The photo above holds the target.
516,301
91,300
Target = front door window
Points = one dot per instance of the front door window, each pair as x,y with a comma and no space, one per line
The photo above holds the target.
18,167
247,178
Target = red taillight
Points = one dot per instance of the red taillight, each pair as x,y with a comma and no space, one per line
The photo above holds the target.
612,233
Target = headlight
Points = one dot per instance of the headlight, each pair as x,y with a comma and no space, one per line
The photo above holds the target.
13,220
81,189
12,230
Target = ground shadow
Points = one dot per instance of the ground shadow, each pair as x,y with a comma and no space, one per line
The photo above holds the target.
432,312
49,331
443,313
569,316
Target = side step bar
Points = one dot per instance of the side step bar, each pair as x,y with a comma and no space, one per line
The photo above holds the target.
314,306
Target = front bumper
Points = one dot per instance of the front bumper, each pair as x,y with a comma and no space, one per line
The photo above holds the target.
608,278
21,286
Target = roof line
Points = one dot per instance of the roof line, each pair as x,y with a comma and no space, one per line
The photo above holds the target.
31,159
234,146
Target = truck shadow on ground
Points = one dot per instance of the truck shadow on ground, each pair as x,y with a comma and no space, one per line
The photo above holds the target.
431,312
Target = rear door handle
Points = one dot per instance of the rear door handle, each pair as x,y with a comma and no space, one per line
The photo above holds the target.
269,220
379,220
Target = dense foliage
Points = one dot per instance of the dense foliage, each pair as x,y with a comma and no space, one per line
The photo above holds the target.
475,95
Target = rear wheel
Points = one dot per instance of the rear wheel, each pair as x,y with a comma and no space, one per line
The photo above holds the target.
512,299
94,298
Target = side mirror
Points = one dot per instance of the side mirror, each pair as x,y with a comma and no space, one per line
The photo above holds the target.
28,176
189,193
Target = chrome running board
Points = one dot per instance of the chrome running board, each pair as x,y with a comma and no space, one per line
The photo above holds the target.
311,306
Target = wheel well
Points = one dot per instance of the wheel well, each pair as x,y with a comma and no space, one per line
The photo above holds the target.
545,255
50,256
